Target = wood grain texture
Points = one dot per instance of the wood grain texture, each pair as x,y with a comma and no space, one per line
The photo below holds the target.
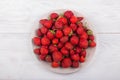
18,16
18,62
16,21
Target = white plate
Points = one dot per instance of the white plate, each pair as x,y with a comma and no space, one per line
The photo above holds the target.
90,51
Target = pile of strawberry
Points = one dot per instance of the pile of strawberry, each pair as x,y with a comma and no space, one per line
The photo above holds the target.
62,40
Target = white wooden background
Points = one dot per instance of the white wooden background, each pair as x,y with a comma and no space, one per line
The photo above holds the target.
16,19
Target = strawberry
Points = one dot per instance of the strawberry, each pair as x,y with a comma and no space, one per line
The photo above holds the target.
58,25
82,59
39,33
42,57
60,45
64,51
54,15
73,26
42,21
37,41
43,51
80,24
73,19
50,34
45,41
68,14
48,58
67,31
55,41
72,52
83,53
57,56
55,64
91,37
75,57
64,39
78,49
84,35
74,40
48,24
66,62
83,43
63,20
59,34
37,51
92,44
52,48
80,18
80,30
43,30
68,45
75,64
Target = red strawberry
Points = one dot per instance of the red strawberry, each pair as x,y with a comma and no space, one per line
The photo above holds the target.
44,30
68,14
58,25
91,37
66,62
48,24
48,58
92,44
84,35
64,39
37,41
57,56
68,45
80,30
75,57
59,34
80,18
73,19
75,64
73,26
63,20
55,41
67,31
78,50
52,48
55,64
38,32
43,51
83,43
83,53
72,52
50,35
64,51
74,40
42,21
82,59
45,41
60,45
80,24
37,51
42,57
54,15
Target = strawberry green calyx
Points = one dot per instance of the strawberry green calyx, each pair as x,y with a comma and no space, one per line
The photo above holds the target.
89,42
89,32
52,31
71,33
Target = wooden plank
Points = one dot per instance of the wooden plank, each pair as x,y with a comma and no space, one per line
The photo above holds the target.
19,16
18,62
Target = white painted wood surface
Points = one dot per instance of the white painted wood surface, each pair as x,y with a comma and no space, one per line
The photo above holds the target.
16,20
